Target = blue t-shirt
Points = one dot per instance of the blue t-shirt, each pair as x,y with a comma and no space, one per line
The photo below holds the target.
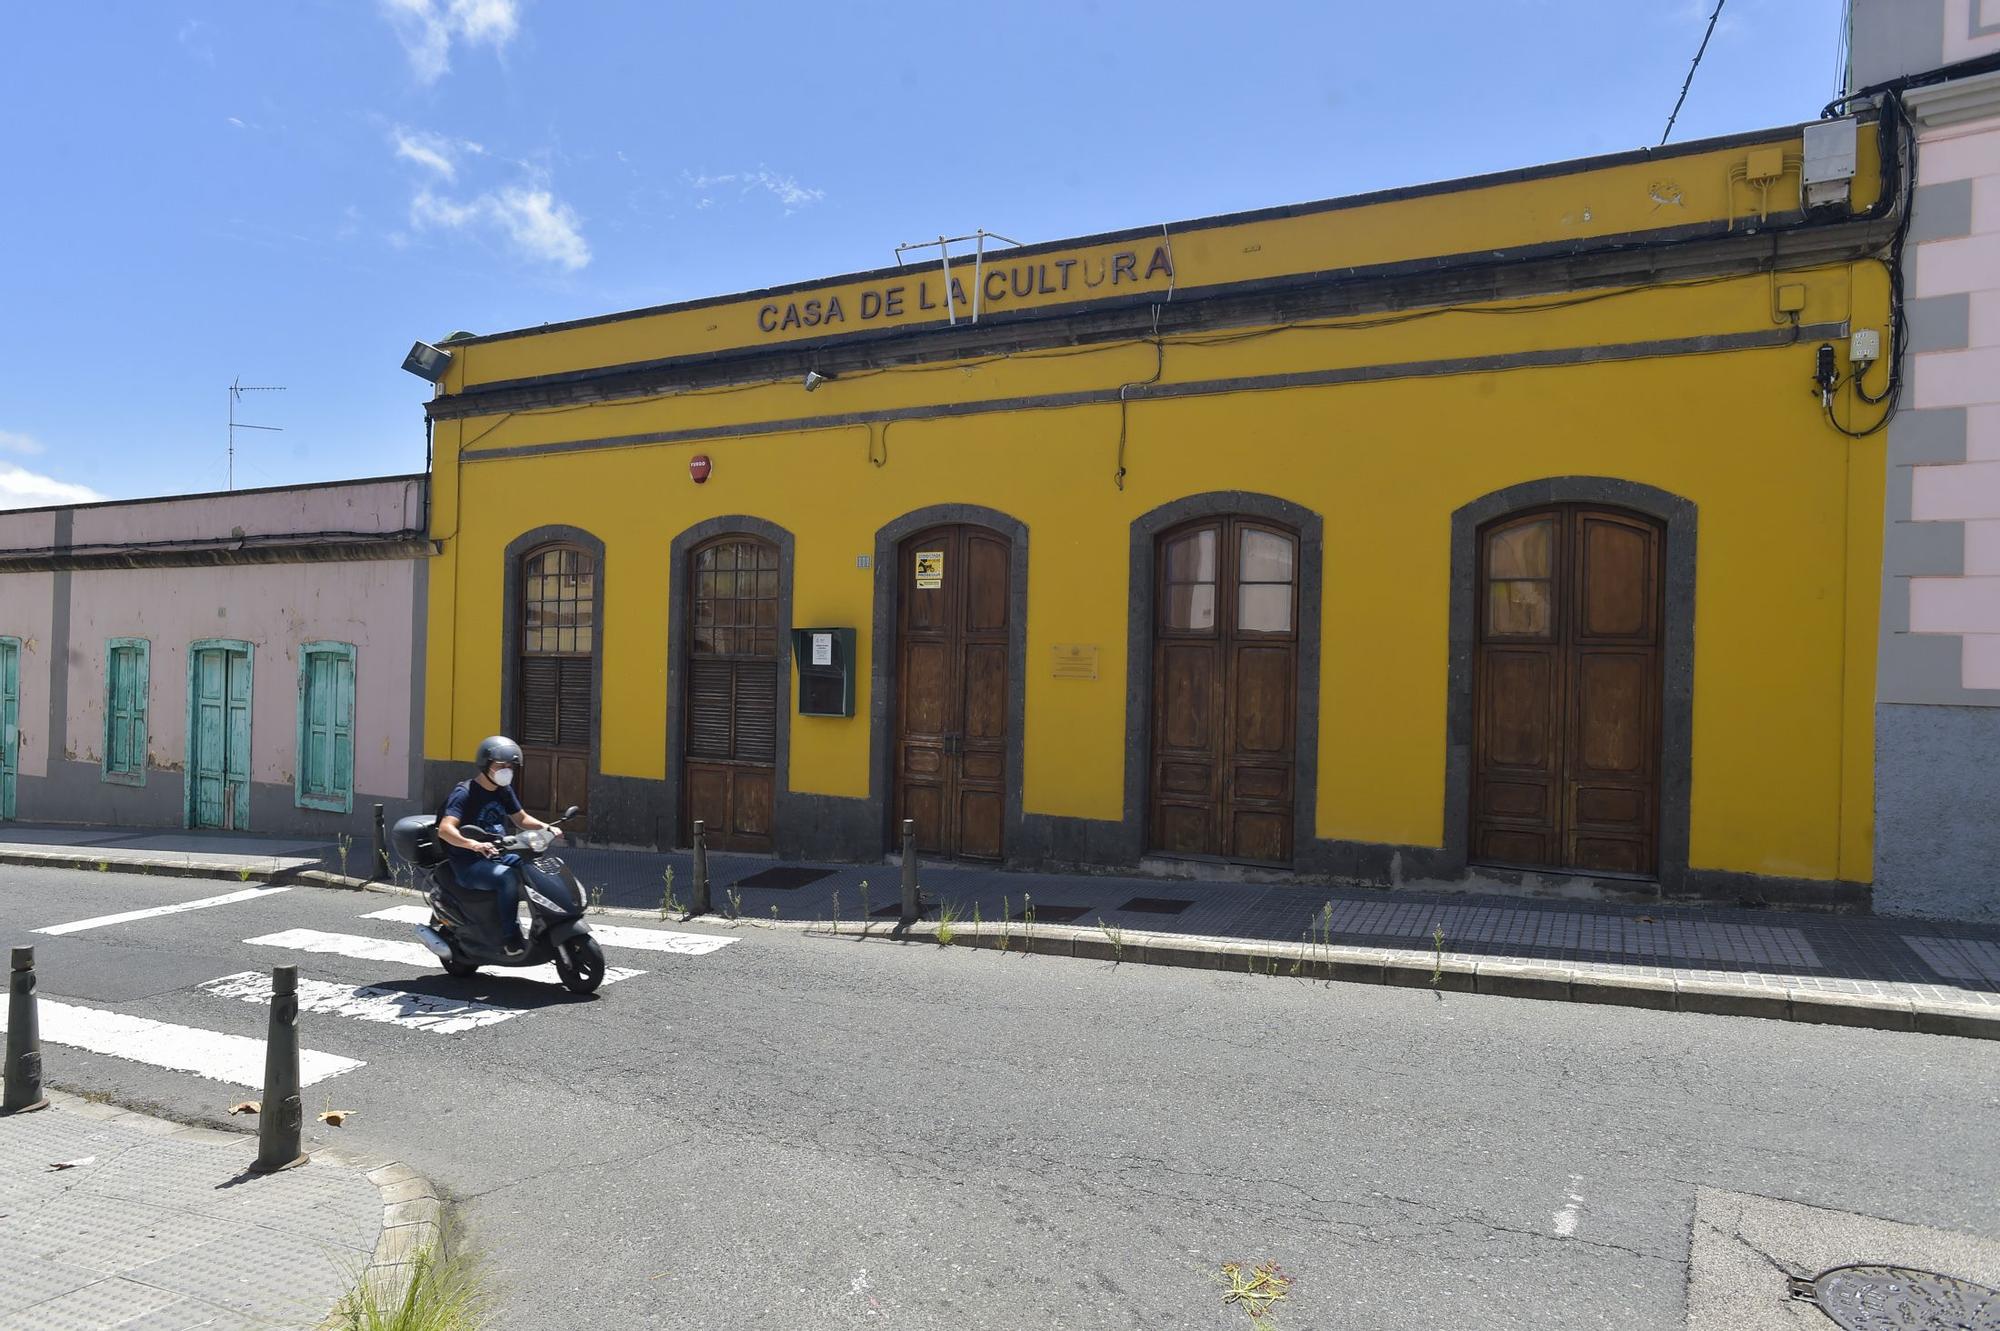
474,805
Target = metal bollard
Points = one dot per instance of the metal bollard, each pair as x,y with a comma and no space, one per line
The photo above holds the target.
912,906
281,1116
382,869
701,903
24,1039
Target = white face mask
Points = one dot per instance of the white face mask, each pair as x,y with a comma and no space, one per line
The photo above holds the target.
502,777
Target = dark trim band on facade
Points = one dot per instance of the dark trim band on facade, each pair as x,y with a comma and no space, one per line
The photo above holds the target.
510,660
882,664
1549,358
1678,515
1694,253
222,552
672,833
1430,189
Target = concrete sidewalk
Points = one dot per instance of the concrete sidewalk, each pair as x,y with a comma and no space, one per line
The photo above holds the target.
155,1226
1865,970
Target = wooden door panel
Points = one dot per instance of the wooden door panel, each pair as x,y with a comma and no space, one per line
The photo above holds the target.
923,760
980,814
1186,697
1186,829
1262,686
1616,593
1260,835
926,681
986,559
1517,718
1603,854
924,804
1613,715
1503,845
1260,783
1515,799
708,798
1609,806
985,693
982,766
1195,779
750,806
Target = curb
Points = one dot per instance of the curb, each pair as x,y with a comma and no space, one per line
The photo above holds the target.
1499,977
413,1215
184,866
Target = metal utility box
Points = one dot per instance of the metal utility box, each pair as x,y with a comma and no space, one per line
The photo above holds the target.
825,659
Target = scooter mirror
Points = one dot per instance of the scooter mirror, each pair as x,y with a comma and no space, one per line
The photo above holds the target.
571,812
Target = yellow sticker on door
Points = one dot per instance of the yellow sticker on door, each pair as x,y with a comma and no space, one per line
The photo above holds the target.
930,570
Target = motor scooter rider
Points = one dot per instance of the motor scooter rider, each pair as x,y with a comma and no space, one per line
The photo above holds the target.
488,801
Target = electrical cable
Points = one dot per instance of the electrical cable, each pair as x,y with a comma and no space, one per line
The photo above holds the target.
1699,52
1125,402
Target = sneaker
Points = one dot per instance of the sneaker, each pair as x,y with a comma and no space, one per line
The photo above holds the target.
512,948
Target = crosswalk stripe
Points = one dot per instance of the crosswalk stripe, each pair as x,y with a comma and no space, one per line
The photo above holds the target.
607,935
406,954
236,1059
126,917
396,1007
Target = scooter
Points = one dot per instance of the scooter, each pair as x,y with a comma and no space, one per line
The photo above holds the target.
465,928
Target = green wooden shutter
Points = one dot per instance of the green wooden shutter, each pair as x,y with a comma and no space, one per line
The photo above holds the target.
325,763
127,688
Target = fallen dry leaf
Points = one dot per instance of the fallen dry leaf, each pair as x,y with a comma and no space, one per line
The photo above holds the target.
74,1164
1647,919
333,1118
246,1107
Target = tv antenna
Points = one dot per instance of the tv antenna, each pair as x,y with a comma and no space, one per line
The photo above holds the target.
943,246
236,392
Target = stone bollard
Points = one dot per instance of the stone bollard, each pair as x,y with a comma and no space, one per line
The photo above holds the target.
24,1039
280,1118
701,903
912,906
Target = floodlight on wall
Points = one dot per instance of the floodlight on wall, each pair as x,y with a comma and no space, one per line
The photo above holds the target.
814,379
427,362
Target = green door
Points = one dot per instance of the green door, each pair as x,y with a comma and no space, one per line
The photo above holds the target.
219,735
10,721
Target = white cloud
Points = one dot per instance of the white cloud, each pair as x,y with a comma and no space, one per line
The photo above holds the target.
426,150
785,189
12,441
21,488
534,221
427,29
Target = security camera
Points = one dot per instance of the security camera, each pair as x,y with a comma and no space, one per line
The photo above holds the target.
814,379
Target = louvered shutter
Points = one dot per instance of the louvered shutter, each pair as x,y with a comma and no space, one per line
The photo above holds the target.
541,688
711,688
755,708
574,703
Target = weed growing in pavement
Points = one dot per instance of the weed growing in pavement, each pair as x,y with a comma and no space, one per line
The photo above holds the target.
774,914
735,903
1256,1291
864,903
1117,938
243,874
1027,923
1437,955
104,866
1300,964
669,903
447,1290
978,925
346,844
1006,922
836,910
597,900
947,916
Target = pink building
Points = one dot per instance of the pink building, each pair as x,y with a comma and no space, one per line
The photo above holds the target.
248,661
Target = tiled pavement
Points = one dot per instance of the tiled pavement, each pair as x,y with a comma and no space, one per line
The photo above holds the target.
1858,955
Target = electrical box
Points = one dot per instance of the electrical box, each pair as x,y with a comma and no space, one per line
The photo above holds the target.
825,661
1865,346
1792,298
1764,165
1829,166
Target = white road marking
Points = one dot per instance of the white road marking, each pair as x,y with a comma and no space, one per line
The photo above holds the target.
1566,1219
406,954
99,921
607,935
236,1059
423,1012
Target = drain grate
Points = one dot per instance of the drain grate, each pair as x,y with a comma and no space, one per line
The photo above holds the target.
1898,1298
784,878
1156,905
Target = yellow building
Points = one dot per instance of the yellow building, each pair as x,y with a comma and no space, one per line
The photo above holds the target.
1527,524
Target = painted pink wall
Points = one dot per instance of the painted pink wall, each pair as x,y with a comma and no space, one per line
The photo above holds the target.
25,613
274,607
377,506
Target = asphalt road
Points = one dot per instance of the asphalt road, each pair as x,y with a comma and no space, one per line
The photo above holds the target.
804,1131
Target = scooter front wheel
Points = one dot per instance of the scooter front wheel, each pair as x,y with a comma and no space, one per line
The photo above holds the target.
461,969
580,962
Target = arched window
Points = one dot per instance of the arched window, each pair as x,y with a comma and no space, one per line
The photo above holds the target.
733,690
558,644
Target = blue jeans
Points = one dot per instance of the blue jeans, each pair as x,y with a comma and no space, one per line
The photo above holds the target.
497,876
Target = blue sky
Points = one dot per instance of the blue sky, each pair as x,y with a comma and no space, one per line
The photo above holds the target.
291,193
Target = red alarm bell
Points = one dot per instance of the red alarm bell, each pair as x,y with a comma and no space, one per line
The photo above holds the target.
698,467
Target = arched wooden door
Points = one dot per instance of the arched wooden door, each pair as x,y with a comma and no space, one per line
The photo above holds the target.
733,692
557,689
1567,692
1225,685
952,622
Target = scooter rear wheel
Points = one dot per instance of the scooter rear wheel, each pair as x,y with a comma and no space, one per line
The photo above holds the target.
580,962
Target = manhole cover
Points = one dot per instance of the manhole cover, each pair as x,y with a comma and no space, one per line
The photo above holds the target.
1896,1298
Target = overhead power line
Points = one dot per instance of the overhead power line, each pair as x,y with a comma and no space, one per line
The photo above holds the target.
1699,52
